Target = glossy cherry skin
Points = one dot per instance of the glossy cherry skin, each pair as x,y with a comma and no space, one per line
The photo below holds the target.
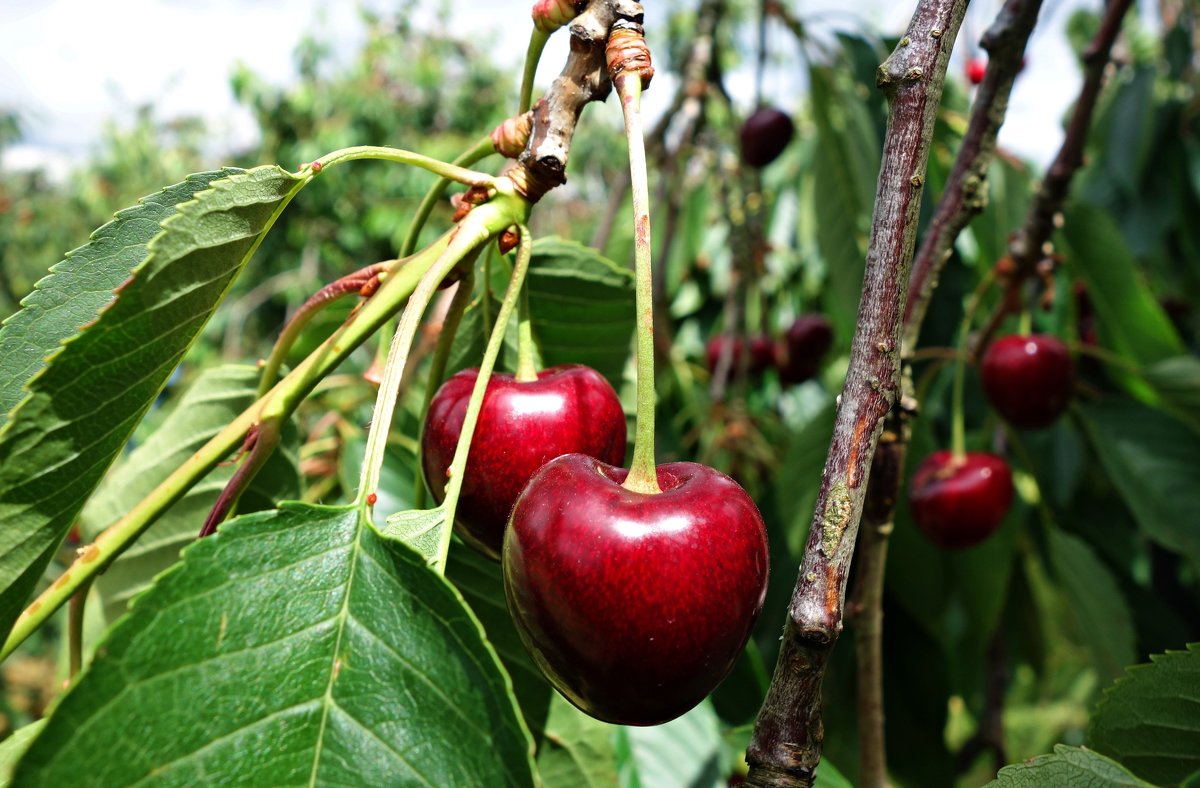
762,353
765,135
976,68
959,504
1028,379
634,606
807,341
521,427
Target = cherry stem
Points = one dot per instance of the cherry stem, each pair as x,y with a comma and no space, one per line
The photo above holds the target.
537,42
441,356
1025,323
643,477
526,367
958,440
458,466
393,373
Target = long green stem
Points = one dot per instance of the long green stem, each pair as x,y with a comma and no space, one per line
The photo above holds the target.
958,440
441,357
643,477
461,245
399,156
458,465
537,42
526,368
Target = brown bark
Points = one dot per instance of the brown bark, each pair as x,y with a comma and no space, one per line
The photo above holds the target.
786,746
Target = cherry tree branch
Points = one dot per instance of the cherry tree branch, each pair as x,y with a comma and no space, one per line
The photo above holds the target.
965,193
1028,246
786,746
583,79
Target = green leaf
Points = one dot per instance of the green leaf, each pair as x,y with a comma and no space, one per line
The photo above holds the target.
217,396
1150,720
1129,319
1068,767
420,529
829,777
1152,460
684,752
293,647
1102,615
573,749
582,307
14,747
1177,382
83,406
80,286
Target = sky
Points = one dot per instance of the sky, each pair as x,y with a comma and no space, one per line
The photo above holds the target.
68,65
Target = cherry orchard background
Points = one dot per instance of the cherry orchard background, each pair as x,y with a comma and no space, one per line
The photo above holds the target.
67,66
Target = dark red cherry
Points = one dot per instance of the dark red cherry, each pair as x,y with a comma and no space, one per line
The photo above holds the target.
976,68
805,344
765,135
960,502
762,353
521,427
1028,379
635,606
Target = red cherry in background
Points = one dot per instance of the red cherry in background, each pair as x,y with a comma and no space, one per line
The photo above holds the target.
762,353
635,606
959,502
522,425
1028,379
976,68
807,341
765,135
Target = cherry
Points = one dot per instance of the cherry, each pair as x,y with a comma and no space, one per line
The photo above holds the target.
634,605
522,425
959,502
976,68
1028,379
764,136
805,344
761,350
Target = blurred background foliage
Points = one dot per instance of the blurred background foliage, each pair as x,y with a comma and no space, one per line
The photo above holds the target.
1098,564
